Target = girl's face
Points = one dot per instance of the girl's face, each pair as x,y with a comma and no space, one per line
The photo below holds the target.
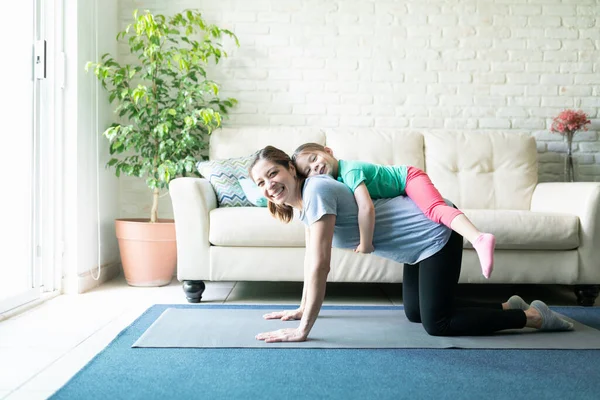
277,183
317,163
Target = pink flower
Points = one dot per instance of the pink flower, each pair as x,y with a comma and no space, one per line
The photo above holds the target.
570,121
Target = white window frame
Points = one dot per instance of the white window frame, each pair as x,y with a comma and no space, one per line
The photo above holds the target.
47,235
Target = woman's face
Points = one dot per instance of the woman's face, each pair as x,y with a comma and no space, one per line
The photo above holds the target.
277,183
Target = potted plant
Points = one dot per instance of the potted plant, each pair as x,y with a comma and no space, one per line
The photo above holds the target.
167,109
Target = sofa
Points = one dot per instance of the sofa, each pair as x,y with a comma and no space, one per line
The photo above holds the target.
546,233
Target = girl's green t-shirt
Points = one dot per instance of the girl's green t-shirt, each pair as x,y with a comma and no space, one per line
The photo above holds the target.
382,181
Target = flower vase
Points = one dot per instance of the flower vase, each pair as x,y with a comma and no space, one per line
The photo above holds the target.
569,170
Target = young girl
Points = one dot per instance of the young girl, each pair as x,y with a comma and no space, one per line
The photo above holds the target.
371,181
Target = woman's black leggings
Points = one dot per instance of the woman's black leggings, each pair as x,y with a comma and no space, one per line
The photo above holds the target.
429,290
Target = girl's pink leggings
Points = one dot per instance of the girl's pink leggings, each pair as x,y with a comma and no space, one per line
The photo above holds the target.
421,190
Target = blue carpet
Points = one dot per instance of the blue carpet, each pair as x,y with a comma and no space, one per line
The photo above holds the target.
122,372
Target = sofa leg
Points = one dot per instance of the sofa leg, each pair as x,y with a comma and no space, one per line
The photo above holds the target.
193,290
587,294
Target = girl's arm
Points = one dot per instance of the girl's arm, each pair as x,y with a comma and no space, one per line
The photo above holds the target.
366,219
319,249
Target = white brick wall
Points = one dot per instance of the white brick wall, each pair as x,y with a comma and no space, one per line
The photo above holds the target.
472,65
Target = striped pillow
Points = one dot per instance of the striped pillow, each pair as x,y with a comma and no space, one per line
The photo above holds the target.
224,177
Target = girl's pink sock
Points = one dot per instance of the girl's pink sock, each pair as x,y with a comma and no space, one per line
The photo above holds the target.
484,246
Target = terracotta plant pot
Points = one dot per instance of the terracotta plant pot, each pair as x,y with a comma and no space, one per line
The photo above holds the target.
148,251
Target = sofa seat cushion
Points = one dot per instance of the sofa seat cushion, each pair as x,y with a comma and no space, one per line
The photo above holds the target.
252,227
517,229
514,229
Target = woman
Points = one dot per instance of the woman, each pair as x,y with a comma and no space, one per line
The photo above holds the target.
431,252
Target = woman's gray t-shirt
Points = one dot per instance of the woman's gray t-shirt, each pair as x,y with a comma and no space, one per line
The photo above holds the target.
402,232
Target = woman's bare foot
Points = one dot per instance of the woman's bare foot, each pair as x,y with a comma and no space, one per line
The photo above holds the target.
551,321
534,319
515,303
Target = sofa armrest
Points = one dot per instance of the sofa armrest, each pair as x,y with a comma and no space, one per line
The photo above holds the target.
193,199
581,199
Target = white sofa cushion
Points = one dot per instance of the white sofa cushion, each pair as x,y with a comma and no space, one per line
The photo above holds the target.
254,227
527,230
482,170
379,146
235,142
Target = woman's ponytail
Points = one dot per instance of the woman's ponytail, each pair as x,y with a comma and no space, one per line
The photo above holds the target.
282,212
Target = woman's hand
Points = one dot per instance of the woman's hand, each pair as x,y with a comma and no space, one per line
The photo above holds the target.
365,248
284,315
283,335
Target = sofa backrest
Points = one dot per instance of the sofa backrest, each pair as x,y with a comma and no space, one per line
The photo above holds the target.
483,170
475,170
238,142
379,146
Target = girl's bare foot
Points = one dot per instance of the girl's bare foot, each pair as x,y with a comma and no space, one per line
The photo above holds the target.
484,246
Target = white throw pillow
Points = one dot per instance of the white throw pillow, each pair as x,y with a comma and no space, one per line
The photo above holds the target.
252,192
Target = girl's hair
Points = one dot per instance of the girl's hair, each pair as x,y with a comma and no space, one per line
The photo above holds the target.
282,212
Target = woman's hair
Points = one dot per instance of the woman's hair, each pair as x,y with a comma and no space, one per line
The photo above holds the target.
307,148
282,212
